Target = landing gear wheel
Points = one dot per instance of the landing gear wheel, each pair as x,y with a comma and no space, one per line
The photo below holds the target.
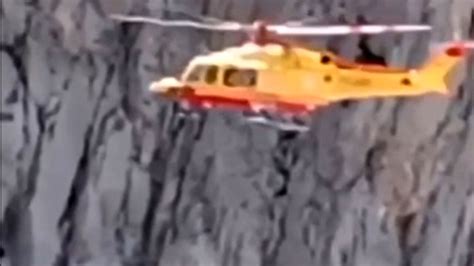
301,119
206,105
185,105
189,109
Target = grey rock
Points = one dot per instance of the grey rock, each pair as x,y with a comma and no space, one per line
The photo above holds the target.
95,171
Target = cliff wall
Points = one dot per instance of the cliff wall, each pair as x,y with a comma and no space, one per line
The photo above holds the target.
94,171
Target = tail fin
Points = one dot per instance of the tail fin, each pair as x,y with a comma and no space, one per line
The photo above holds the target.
447,64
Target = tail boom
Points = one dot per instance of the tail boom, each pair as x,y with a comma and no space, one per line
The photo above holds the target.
446,67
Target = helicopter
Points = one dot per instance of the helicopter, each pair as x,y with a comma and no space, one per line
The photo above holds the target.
278,82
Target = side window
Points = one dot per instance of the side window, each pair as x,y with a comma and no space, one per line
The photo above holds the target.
211,74
234,77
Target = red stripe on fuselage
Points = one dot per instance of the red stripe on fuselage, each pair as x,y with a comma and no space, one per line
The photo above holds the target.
217,101
241,104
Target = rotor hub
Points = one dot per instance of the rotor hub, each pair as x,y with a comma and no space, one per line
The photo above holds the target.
260,32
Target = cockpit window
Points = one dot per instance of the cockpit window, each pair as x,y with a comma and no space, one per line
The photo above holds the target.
196,73
207,73
234,77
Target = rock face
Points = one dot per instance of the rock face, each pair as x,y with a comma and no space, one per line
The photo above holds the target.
94,171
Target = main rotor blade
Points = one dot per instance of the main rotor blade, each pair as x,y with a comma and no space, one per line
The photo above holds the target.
344,29
225,26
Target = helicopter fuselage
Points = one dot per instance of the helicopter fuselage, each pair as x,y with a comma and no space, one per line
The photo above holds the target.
299,79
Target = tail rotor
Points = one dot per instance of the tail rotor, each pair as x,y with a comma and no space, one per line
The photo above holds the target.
454,48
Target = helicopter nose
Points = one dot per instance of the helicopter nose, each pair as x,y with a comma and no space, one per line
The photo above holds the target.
157,87
154,87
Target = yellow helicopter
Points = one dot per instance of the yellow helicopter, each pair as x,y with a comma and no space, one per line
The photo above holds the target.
269,74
